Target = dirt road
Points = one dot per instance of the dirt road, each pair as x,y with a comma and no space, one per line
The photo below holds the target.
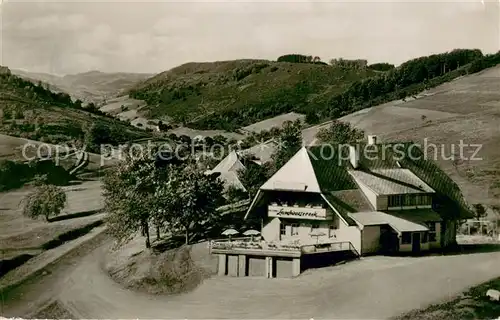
375,287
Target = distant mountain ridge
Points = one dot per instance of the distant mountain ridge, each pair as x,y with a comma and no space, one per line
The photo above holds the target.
91,86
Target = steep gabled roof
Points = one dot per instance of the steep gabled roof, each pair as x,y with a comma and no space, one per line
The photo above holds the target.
230,163
228,169
230,179
330,169
296,175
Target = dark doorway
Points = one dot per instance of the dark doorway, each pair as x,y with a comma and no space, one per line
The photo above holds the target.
443,233
389,241
415,243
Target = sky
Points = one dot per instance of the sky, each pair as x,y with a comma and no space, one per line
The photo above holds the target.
63,37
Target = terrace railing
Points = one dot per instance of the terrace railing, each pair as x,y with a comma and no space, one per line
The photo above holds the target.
248,244
327,247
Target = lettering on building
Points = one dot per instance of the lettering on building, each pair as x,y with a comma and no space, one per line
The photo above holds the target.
282,212
304,213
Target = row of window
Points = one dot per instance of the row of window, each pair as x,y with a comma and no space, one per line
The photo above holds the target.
294,229
430,236
406,237
409,200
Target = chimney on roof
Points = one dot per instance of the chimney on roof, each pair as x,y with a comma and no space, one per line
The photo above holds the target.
354,156
372,139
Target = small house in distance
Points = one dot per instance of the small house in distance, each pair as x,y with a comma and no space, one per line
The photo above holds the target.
331,202
229,166
228,171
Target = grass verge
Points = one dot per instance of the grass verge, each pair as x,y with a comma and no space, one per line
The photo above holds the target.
472,304
7,265
36,266
54,310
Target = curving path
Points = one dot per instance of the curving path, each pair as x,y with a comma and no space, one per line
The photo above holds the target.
375,287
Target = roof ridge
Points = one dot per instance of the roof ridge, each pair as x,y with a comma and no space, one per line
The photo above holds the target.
299,166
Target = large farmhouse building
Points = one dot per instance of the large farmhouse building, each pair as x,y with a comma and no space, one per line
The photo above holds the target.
365,199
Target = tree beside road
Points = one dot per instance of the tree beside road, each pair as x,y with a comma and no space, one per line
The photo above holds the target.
177,198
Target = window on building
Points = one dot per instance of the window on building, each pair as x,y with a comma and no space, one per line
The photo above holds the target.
425,237
295,229
432,231
283,229
408,199
406,238
428,200
331,231
423,200
335,222
412,200
314,227
394,201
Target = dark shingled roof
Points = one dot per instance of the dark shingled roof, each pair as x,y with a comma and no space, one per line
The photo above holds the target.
331,165
330,169
347,201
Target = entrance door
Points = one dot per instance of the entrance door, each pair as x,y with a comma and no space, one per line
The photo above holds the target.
415,243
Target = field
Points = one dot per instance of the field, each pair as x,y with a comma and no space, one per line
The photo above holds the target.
465,109
276,122
21,235
11,148
22,238
135,116
114,106
179,131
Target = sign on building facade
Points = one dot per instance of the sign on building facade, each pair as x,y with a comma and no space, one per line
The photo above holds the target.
297,212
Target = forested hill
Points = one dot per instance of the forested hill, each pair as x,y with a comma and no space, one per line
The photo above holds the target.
32,111
230,94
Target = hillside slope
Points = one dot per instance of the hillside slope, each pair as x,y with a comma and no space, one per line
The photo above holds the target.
92,86
31,111
465,109
230,94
